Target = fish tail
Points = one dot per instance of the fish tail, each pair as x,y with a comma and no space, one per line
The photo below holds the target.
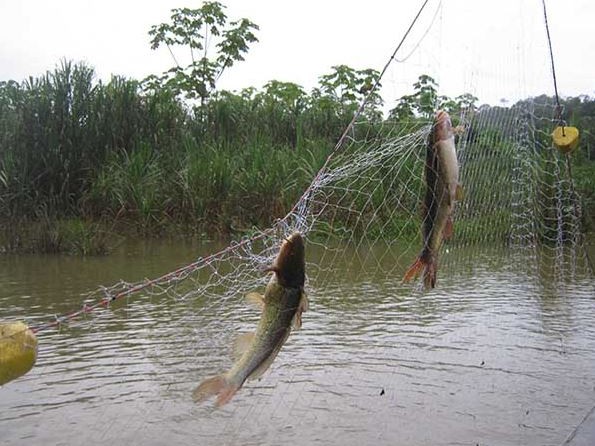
414,269
217,385
424,263
430,273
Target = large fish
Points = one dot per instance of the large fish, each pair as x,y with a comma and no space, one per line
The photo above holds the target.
442,190
283,303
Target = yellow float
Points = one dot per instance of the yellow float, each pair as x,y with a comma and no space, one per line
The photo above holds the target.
565,138
18,350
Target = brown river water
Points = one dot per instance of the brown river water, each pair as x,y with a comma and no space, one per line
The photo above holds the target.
498,354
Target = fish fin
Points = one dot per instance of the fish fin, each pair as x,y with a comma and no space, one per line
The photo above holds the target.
430,274
303,306
305,302
414,270
448,229
264,365
216,385
460,193
429,267
255,299
296,322
241,344
459,130
270,269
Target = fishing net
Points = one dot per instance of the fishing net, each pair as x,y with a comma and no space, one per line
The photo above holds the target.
361,217
518,188
365,206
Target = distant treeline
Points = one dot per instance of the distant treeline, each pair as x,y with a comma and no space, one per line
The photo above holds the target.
81,159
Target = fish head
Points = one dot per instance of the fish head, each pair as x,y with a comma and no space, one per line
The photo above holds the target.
290,264
442,127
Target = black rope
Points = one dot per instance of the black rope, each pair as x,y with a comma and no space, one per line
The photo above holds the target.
375,86
549,42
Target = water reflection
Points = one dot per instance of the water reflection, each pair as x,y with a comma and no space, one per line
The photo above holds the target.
497,354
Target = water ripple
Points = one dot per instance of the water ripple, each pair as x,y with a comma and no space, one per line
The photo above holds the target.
489,356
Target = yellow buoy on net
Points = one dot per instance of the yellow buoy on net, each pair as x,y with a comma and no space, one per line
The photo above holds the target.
565,138
18,350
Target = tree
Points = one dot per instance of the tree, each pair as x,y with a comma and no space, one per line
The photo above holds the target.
466,101
199,30
347,87
426,90
283,103
425,101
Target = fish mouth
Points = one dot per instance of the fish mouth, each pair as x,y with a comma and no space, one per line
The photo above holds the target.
441,117
293,238
442,128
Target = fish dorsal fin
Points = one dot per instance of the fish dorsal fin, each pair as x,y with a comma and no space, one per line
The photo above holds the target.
242,344
264,365
255,299
302,307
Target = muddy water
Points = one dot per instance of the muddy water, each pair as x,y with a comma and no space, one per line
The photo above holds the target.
499,354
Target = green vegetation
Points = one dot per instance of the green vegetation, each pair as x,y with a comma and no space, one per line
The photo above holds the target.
116,157
82,160
196,29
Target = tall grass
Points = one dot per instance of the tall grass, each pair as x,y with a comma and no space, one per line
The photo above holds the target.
80,157
75,148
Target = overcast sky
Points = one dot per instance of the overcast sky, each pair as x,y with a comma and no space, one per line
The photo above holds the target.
495,49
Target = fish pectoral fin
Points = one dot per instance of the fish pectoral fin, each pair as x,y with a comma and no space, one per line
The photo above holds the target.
460,193
255,299
303,306
242,344
448,228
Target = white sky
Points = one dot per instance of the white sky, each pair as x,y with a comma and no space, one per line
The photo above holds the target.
494,49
